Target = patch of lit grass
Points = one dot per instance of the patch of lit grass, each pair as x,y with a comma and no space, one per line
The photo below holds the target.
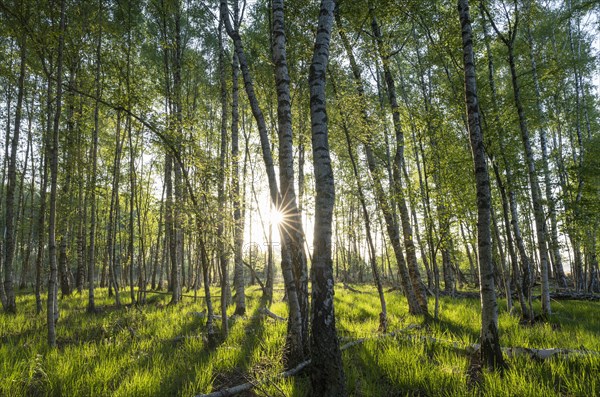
161,350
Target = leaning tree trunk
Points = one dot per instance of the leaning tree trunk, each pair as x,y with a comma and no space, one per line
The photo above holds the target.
559,273
381,196
491,354
327,375
539,217
398,169
367,218
296,344
509,206
516,273
538,211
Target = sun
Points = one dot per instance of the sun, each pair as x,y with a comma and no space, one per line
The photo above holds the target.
277,217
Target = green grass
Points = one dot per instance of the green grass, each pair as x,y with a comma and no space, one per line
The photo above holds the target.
132,352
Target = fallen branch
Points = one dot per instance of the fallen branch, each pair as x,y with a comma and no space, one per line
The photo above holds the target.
543,354
575,296
203,315
170,293
181,338
262,286
461,294
510,352
265,311
350,288
232,391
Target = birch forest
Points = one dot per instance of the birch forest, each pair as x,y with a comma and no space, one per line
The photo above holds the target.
299,198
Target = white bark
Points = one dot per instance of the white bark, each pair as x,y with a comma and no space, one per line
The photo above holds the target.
327,375
490,353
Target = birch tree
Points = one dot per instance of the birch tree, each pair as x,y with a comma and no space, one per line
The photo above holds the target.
491,354
327,376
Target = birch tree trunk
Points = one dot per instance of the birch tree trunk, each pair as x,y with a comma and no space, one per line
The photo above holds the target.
176,243
293,238
381,196
238,228
491,354
65,205
367,218
398,169
296,343
559,273
223,260
113,259
44,165
538,210
10,305
521,275
52,304
327,375
92,184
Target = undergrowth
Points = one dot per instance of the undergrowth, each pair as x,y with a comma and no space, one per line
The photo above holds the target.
161,350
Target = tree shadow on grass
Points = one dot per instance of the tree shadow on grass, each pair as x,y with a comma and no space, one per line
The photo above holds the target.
193,355
455,329
366,377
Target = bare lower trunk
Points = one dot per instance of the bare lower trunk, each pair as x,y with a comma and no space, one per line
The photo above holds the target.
397,172
553,240
540,226
223,259
491,354
52,304
367,218
296,344
381,196
327,375
10,305
238,228
293,233
205,276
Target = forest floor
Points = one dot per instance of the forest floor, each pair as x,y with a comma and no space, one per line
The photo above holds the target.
160,350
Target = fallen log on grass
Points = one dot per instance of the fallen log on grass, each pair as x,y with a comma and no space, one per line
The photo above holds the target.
255,275
202,314
266,312
510,352
352,289
149,291
575,296
543,354
232,391
263,311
